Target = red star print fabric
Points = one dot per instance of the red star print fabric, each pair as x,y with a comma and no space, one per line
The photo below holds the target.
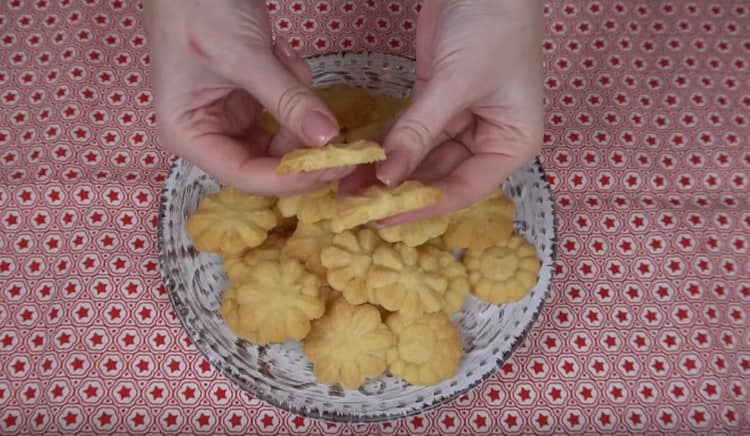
646,148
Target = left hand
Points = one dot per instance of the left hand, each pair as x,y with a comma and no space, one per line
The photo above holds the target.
477,112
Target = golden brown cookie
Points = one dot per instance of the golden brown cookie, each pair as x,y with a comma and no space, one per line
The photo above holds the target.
230,222
348,345
284,225
415,233
307,242
504,272
330,156
310,207
274,303
347,260
481,225
377,202
238,267
414,281
428,348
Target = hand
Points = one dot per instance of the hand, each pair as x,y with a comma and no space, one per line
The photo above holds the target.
214,68
477,115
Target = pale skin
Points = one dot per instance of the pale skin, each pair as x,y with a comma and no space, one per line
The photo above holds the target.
476,116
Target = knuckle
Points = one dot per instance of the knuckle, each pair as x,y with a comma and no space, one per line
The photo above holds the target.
292,102
415,134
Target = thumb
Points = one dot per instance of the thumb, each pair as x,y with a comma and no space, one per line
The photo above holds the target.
289,99
418,130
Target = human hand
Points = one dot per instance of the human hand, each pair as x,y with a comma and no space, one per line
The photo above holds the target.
214,69
477,114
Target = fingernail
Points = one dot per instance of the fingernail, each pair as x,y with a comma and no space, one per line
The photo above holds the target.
286,49
393,170
318,128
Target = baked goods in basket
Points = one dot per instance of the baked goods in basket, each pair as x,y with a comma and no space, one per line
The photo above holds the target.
481,225
275,302
347,261
239,267
504,272
416,233
378,202
230,222
310,207
307,242
348,344
428,348
362,299
415,281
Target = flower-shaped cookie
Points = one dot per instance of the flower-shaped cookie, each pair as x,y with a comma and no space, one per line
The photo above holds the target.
307,242
284,225
503,272
230,222
349,344
330,156
238,267
274,303
481,225
414,281
415,233
428,348
310,207
378,202
347,261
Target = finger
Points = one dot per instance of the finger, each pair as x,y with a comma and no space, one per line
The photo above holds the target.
282,143
246,168
480,174
288,56
472,180
418,129
285,140
360,179
290,101
426,26
441,162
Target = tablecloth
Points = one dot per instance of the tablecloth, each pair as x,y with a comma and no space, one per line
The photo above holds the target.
646,149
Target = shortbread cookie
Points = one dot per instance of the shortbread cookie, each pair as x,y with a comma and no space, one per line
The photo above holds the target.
307,242
415,233
415,281
377,202
310,207
347,260
481,225
348,345
504,272
274,303
230,222
330,156
428,348
238,267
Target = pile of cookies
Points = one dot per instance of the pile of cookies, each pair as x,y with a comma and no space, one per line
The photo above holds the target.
363,300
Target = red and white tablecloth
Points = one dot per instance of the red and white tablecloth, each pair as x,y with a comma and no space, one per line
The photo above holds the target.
646,147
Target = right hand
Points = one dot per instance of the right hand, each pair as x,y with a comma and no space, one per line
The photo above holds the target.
214,69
